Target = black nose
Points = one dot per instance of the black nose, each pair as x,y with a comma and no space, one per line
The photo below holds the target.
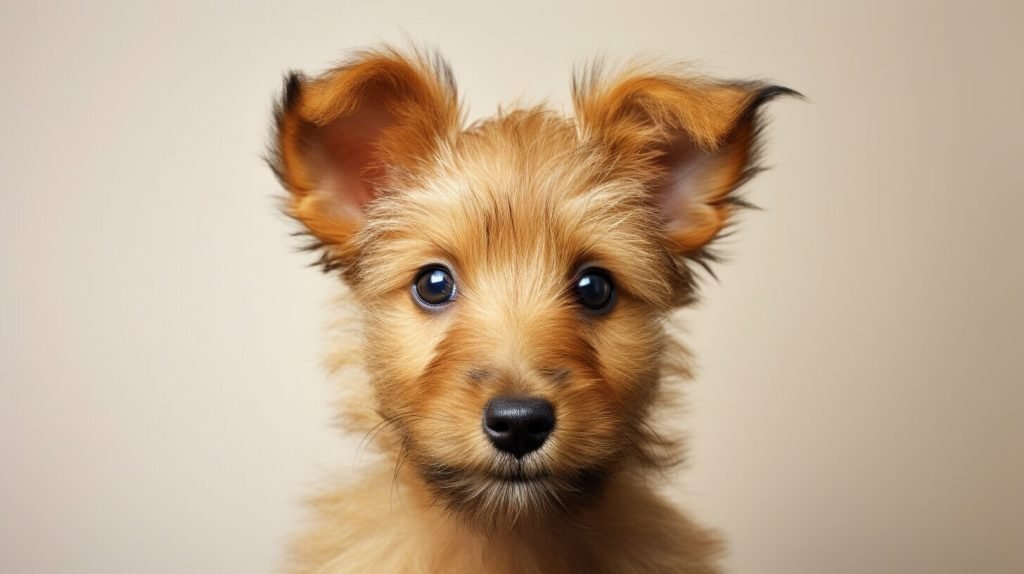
518,425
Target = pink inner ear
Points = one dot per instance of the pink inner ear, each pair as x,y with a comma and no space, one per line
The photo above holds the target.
685,188
345,165
695,184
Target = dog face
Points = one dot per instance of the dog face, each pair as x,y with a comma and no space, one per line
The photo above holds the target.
514,275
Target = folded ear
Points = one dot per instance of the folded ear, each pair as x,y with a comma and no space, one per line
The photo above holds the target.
692,141
344,137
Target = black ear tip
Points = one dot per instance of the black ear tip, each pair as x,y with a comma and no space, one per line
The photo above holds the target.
772,92
765,94
292,89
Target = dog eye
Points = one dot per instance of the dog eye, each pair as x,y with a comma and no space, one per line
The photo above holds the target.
434,286
594,290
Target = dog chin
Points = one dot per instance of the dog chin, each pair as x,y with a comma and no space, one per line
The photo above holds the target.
507,499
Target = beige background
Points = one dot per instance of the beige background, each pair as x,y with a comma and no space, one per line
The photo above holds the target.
860,404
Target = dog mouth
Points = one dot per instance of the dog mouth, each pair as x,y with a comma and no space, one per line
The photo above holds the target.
505,495
531,470
518,476
515,473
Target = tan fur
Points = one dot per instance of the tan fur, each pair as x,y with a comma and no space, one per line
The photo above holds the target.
384,176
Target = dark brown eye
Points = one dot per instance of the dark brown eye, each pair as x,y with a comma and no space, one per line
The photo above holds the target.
434,286
595,291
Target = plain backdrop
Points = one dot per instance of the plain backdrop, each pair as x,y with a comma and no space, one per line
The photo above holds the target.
859,406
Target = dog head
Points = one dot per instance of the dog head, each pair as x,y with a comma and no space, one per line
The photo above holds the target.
515,274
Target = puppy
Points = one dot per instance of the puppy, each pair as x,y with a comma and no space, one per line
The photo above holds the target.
514,278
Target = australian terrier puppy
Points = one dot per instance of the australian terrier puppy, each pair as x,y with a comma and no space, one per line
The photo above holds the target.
514,278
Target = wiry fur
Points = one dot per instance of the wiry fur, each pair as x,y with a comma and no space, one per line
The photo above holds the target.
385,177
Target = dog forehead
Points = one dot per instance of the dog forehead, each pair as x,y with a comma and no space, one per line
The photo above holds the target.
524,183
532,158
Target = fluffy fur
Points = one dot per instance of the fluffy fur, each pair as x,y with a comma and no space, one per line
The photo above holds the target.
384,175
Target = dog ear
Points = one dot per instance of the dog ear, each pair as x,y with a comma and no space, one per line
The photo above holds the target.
344,137
692,141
